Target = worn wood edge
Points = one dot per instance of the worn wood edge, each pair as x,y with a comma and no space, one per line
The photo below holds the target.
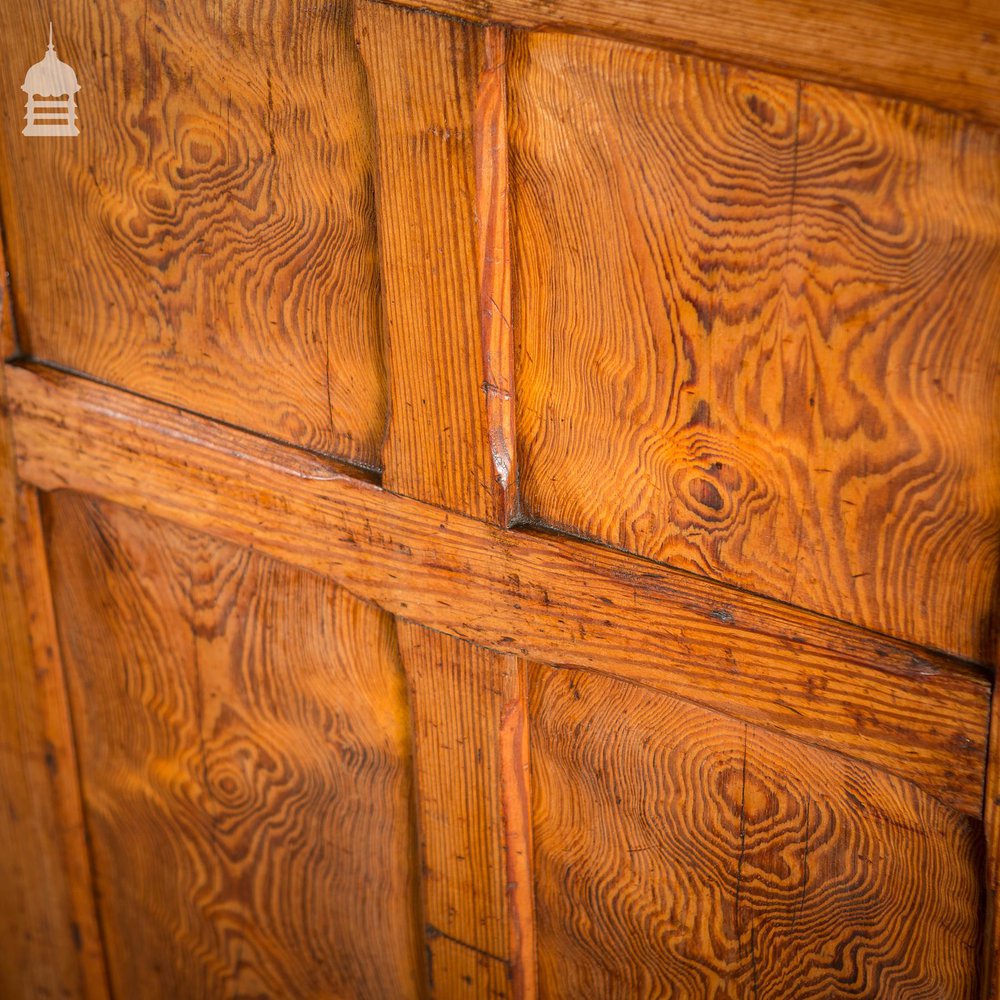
916,713
60,745
948,60
494,250
29,628
515,797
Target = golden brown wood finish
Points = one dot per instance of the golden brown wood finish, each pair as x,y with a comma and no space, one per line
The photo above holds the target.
757,323
209,237
438,97
936,52
457,697
515,792
913,712
49,941
759,332
455,970
244,724
682,854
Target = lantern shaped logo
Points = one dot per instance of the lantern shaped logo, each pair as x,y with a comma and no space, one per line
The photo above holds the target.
51,87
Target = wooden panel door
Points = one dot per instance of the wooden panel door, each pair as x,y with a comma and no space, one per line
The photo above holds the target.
501,502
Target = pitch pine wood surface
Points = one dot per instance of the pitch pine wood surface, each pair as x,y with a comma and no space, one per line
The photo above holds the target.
457,696
245,762
758,331
683,855
209,237
552,599
50,946
941,53
737,328
439,101
439,105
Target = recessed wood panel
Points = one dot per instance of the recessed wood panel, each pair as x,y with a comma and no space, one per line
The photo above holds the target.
758,330
209,237
245,761
681,854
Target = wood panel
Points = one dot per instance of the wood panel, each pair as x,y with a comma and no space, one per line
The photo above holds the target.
470,774
209,237
48,925
935,51
440,111
767,350
552,599
687,855
244,750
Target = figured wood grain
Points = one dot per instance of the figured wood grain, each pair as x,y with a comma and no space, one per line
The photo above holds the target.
49,940
768,351
936,52
553,599
245,759
458,694
681,854
209,237
440,117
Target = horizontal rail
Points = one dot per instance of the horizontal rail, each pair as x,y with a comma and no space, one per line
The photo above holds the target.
554,599
937,52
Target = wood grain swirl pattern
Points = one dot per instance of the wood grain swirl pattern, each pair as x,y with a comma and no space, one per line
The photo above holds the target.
209,237
935,52
679,854
767,350
245,725
553,599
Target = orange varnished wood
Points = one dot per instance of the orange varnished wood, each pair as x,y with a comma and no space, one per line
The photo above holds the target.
935,51
457,699
49,940
758,329
245,761
678,853
515,795
209,237
437,93
456,971
686,690
493,231
913,712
